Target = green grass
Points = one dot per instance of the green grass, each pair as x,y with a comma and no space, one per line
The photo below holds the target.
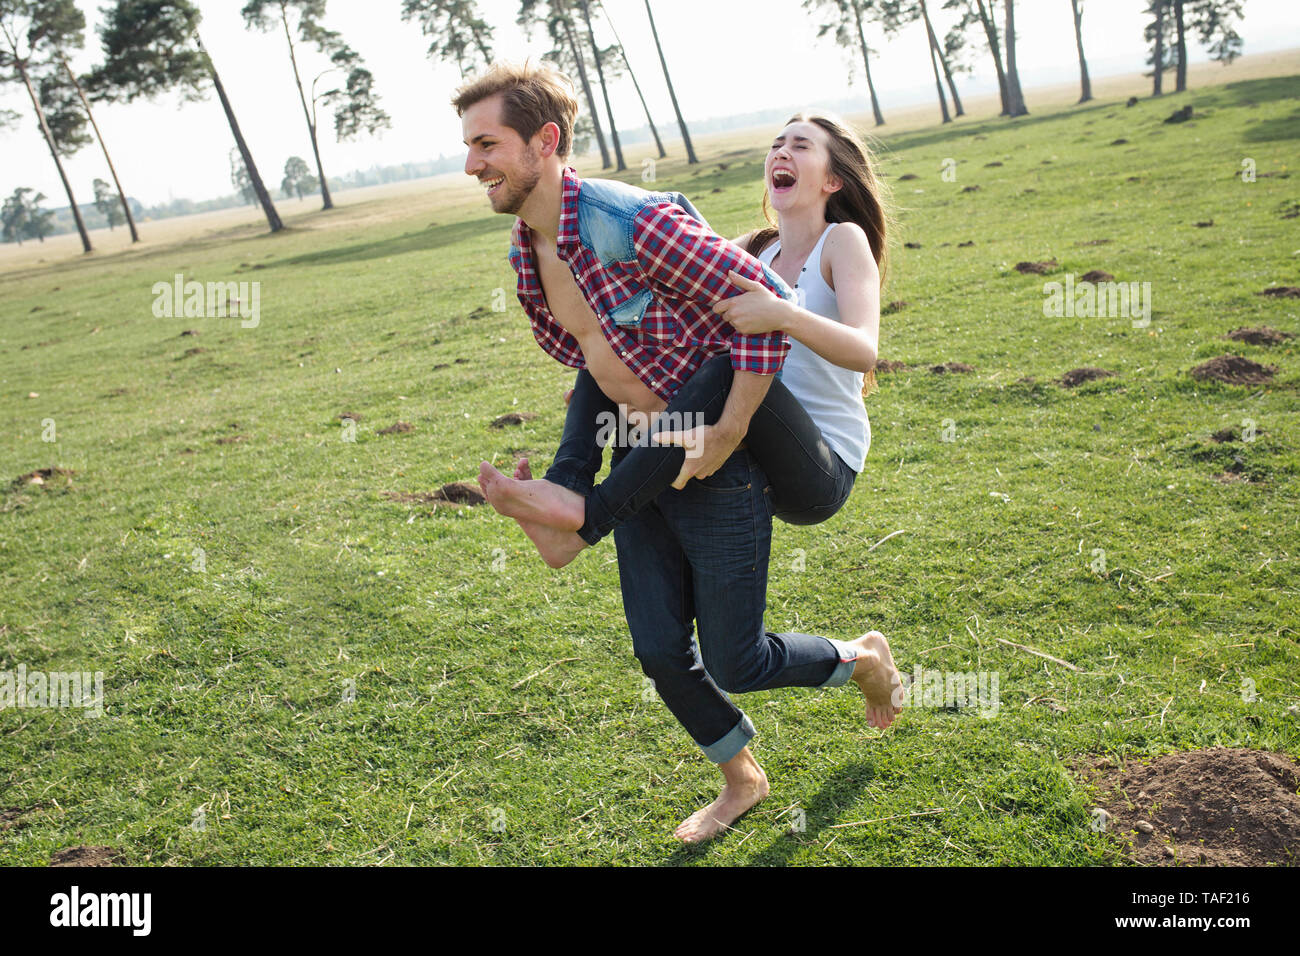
224,687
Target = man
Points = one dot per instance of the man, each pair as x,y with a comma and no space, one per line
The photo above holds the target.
622,282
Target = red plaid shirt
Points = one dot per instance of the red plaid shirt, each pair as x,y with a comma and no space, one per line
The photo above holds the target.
683,264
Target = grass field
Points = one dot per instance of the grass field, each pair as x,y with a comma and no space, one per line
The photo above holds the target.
230,561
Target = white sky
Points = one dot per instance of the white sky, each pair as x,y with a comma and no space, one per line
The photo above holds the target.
726,56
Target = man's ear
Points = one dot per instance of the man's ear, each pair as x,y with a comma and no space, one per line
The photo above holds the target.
550,135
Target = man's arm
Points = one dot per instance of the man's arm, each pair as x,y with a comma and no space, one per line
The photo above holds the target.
681,254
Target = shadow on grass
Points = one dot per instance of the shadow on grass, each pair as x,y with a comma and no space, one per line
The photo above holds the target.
423,240
820,812
1281,127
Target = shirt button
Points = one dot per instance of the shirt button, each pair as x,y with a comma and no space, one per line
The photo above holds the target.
625,353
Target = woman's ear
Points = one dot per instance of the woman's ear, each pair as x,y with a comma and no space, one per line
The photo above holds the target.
833,184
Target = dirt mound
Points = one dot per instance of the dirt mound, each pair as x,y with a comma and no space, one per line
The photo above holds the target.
1097,242
1283,292
1119,142
397,428
455,493
1234,370
1097,275
898,305
352,415
911,245
1230,434
968,242
952,367
1088,373
85,856
1204,225
1036,268
1219,807
888,365
1180,116
45,476
194,351
231,439
512,418
992,165
907,177
189,332
971,189
1260,335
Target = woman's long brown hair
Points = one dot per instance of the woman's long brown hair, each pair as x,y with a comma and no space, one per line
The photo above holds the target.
860,199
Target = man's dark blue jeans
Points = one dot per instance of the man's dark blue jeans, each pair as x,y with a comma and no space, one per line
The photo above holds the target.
699,557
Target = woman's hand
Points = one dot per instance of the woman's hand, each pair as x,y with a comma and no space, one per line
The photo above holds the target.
756,310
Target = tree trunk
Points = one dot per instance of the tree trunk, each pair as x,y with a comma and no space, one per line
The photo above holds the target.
586,89
1015,98
991,32
309,113
585,7
126,207
268,207
938,84
1181,83
866,65
943,62
623,52
1086,84
54,151
681,123
1160,48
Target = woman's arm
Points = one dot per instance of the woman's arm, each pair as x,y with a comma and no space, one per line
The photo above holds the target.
850,343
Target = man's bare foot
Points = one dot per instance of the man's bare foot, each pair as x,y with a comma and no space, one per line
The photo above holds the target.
878,678
535,500
556,547
746,785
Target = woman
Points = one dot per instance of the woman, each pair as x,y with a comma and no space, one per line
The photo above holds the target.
811,434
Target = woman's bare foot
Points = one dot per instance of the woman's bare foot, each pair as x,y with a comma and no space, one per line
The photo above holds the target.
745,786
878,679
556,547
536,500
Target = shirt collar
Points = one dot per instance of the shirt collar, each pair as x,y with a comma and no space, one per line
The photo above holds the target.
568,231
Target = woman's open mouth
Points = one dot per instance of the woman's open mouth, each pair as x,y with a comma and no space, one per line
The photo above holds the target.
783,180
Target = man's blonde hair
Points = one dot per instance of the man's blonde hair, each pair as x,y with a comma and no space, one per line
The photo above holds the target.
532,96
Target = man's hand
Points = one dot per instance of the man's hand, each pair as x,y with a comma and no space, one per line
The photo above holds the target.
707,447
568,395
756,310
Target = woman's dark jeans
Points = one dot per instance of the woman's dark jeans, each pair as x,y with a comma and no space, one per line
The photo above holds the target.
810,482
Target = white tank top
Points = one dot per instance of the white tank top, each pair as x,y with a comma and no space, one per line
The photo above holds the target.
831,395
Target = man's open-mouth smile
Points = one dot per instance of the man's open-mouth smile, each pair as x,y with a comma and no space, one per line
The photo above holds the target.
493,185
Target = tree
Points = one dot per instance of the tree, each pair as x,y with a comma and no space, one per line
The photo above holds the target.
240,179
298,179
1077,7
654,131
1157,34
672,94
938,51
1213,21
584,7
896,14
13,216
78,85
1015,98
31,31
106,201
152,46
846,19
23,218
356,106
459,34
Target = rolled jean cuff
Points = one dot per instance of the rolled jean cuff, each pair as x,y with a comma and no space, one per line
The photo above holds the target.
736,740
844,668
567,479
